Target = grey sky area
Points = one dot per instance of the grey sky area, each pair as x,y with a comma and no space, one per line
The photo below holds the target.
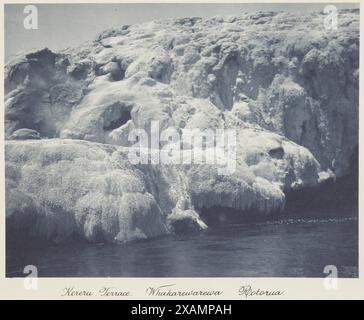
66,25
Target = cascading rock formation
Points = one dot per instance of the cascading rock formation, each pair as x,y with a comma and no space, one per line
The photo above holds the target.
288,86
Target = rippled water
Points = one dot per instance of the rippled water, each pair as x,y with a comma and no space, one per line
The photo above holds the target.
284,248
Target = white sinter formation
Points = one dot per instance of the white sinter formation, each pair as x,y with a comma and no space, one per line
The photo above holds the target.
285,83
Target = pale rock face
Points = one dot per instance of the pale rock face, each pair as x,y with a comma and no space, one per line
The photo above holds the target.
288,86
60,188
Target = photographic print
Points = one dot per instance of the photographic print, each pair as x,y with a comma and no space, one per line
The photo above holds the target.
181,140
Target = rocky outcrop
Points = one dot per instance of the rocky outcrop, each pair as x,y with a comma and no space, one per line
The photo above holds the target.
286,84
57,189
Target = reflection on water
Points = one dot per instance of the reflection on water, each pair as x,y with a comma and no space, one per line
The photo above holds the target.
285,248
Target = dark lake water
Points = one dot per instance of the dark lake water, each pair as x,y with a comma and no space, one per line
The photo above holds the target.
283,248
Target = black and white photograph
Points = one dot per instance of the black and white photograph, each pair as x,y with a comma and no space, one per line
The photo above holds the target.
199,140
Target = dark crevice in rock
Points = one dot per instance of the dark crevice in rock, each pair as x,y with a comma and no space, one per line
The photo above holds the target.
226,78
80,71
124,118
303,131
45,56
118,74
277,153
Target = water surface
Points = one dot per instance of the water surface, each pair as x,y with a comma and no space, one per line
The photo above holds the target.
283,248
